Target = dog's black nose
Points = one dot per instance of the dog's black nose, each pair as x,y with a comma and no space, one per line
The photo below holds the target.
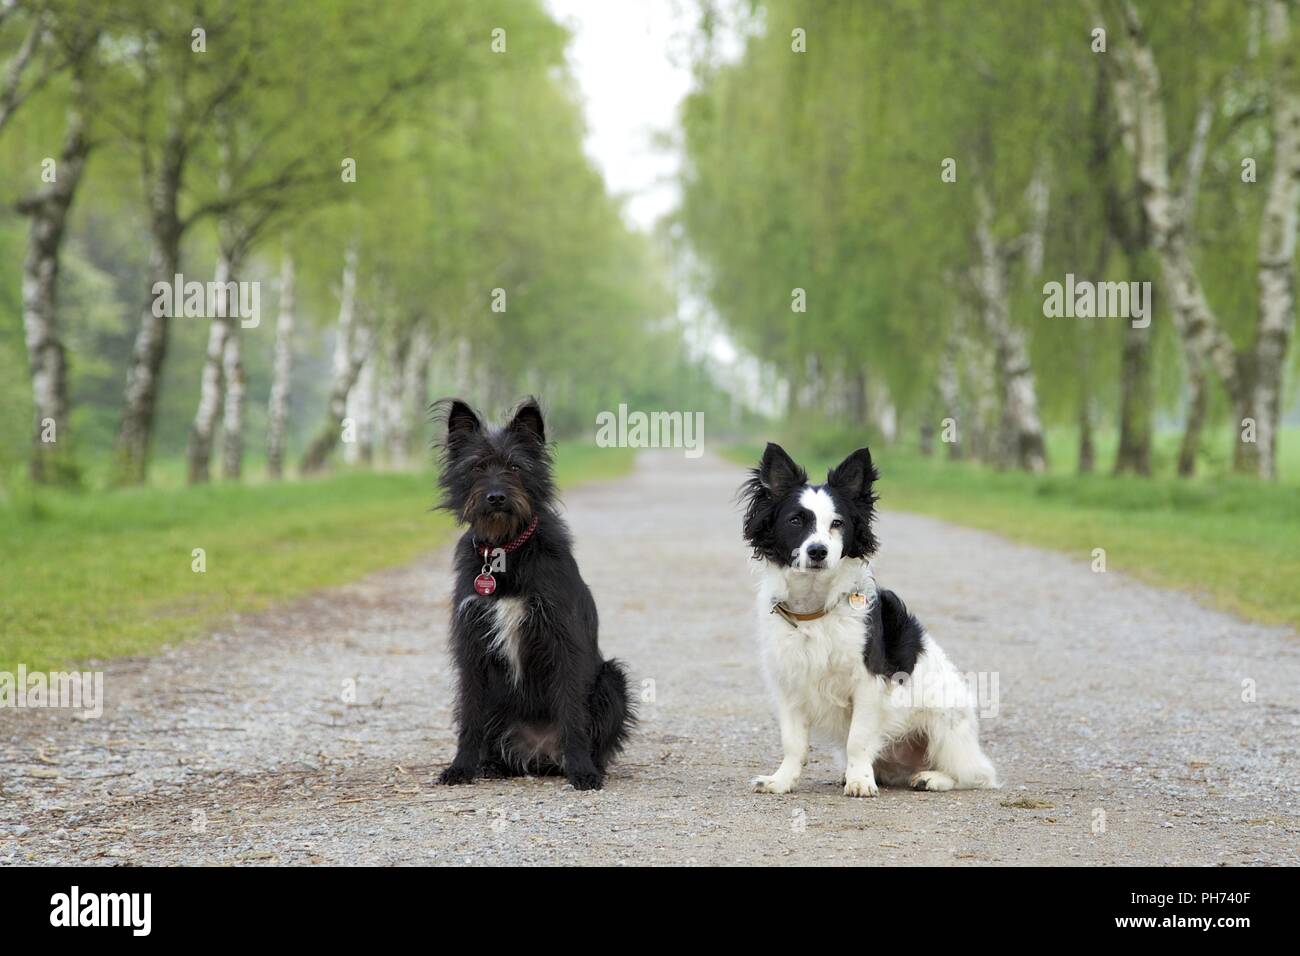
496,497
817,552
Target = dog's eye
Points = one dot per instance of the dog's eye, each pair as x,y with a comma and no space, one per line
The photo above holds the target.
796,519
837,524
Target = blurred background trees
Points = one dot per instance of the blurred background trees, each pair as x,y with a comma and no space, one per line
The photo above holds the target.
874,196
913,172
405,182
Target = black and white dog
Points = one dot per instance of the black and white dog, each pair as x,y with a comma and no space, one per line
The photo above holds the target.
842,656
535,696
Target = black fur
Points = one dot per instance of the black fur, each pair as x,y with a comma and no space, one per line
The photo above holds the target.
851,483
570,711
776,524
893,637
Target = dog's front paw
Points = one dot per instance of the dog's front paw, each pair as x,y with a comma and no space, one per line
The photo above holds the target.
587,780
860,787
454,776
773,784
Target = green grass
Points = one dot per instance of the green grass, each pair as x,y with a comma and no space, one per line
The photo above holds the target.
1214,461
105,574
1234,542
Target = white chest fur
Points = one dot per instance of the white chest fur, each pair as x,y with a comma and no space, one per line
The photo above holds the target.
816,665
506,638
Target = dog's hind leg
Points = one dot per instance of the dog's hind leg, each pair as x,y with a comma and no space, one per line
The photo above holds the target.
900,761
956,760
612,715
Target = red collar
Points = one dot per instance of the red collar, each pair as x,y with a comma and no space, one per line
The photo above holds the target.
509,546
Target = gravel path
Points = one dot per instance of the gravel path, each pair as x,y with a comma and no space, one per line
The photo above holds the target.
1121,733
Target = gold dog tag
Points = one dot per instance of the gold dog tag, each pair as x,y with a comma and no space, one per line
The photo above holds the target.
857,600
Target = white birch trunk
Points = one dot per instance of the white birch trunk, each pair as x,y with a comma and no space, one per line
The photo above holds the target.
397,395
12,94
361,410
48,211
1022,440
949,388
212,379
464,367
882,413
415,389
277,411
351,347
979,427
144,369
1275,278
232,419
211,383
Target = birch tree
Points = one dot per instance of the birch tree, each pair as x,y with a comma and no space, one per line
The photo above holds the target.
1124,224
277,412
1022,442
47,211
1251,375
232,122
221,364
1261,390
173,100
27,70
249,66
352,343
836,171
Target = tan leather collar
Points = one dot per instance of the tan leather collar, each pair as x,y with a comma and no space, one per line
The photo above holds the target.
857,600
794,617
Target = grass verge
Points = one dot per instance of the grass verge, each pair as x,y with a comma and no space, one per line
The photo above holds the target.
1233,542
105,574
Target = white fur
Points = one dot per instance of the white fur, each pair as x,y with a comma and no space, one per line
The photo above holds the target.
507,633
822,506
821,684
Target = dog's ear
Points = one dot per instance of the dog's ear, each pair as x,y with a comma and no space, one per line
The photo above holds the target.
853,479
461,420
775,475
854,476
528,420
777,471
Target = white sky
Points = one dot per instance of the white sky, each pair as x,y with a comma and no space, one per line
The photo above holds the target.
631,61
622,56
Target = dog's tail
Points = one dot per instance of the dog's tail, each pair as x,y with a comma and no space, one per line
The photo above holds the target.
613,713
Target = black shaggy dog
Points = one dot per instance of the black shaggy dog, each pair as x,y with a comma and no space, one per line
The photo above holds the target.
535,696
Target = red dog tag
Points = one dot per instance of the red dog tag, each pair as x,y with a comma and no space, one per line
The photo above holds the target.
485,584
